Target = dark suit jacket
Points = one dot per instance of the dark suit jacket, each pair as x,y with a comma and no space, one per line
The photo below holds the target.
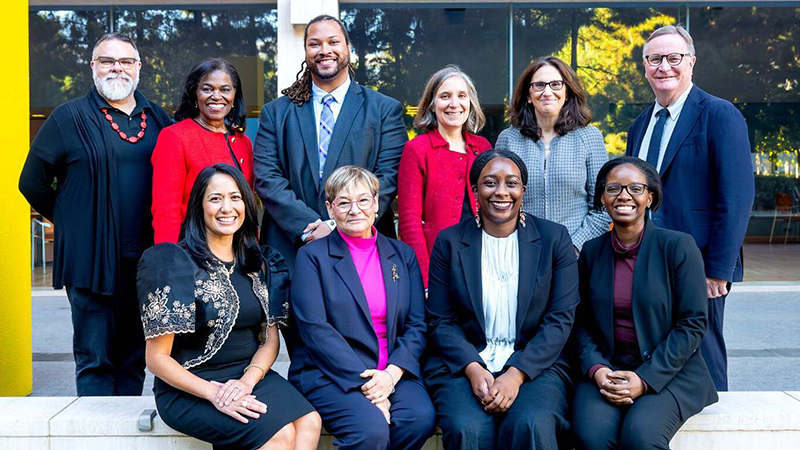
369,132
669,312
337,339
547,297
708,180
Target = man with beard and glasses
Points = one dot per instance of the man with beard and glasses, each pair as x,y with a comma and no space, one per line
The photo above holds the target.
96,150
325,120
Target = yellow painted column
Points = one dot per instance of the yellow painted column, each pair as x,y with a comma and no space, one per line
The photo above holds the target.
16,374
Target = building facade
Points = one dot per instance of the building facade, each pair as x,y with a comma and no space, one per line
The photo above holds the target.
748,53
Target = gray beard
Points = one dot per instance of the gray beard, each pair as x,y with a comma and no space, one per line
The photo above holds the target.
115,88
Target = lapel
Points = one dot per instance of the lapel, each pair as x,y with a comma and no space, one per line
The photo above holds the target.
604,304
341,130
640,279
689,114
308,129
337,248
390,261
642,129
470,258
529,253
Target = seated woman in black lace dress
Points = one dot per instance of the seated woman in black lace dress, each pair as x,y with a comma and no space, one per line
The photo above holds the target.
209,306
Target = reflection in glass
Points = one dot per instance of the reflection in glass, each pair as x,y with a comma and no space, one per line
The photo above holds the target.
395,50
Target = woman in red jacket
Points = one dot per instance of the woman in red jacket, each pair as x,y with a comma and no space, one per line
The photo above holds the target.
210,130
434,188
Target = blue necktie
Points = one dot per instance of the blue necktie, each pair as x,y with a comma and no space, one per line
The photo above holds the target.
655,140
326,123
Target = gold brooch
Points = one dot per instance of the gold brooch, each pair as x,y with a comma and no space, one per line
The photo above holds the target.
395,276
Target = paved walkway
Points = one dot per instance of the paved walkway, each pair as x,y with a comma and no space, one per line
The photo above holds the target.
760,326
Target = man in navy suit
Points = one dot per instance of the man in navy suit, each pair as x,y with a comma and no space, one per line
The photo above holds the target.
700,147
325,120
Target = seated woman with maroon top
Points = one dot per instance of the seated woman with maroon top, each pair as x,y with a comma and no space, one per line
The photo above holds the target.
359,309
434,168
640,321
210,130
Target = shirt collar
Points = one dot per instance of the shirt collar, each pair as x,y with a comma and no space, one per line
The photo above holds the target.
676,106
338,94
437,140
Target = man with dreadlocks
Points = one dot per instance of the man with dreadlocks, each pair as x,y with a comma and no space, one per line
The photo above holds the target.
325,120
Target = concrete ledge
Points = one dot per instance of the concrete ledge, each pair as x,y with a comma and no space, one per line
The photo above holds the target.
740,421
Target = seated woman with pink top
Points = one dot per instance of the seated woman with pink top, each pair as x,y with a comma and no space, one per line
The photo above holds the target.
359,309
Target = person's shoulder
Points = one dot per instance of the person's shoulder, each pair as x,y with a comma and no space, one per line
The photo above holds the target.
591,246
480,142
374,96
399,246
673,238
166,252
716,106
279,104
510,133
587,131
273,259
454,233
546,228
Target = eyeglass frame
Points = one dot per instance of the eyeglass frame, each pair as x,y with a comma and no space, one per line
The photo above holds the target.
335,205
624,187
661,59
546,84
121,64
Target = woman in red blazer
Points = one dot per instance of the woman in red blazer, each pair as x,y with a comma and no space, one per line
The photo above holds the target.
433,181
210,130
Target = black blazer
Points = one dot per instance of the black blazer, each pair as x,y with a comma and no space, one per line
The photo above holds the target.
337,339
369,132
547,298
669,311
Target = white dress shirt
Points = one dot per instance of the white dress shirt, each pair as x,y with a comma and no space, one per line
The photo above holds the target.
336,105
500,282
674,114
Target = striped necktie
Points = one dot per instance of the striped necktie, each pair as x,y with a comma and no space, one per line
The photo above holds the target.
326,123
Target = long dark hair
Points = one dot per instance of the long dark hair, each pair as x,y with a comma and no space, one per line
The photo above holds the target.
236,120
193,229
574,114
300,91
650,174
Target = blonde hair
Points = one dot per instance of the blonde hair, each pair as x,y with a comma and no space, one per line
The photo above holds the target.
347,176
426,116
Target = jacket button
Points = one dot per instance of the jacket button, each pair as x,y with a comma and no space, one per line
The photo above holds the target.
646,355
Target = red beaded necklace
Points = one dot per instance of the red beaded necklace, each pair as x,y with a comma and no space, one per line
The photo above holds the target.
122,135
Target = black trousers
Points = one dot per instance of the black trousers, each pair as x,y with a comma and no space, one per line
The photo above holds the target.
358,424
712,347
536,421
108,339
650,423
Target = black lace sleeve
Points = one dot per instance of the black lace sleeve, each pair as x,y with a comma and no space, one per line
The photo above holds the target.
165,286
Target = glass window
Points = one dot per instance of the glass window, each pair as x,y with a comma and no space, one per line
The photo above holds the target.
751,57
396,49
170,41
605,45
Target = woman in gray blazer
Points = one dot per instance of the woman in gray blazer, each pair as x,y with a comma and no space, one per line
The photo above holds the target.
551,132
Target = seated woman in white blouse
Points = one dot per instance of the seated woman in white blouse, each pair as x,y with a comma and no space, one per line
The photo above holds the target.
501,302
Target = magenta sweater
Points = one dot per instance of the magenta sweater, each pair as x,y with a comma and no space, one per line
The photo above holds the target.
364,252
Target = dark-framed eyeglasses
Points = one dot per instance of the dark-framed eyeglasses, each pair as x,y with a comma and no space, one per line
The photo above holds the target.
555,85
344,206
107,62
673,59
635,189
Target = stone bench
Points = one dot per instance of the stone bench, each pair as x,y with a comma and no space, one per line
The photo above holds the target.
741,420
